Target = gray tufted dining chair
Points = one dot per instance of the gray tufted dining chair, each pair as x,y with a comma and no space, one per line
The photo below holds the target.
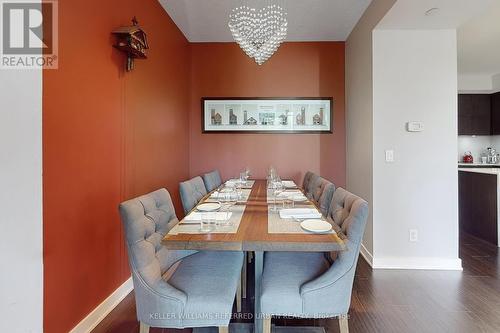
316,187
192,191
312,287
311,185
307,179
175,289
325,198
212,180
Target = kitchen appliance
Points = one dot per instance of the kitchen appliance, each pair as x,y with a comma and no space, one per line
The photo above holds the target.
492,156
468,157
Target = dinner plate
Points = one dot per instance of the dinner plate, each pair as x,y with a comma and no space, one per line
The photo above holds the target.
316,226
208,206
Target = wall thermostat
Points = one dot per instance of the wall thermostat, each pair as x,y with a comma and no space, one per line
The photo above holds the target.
414,126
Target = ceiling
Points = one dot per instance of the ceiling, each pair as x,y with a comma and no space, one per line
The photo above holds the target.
447,14
308,20
479,44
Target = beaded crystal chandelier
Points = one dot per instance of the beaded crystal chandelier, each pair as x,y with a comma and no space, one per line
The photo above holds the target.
259,32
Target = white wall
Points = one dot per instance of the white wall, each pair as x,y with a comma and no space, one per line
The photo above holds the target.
468,83
21,277
415,78
478,84
359,89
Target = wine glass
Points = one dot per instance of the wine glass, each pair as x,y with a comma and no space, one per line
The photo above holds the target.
231,201
226,198
239,191
278,189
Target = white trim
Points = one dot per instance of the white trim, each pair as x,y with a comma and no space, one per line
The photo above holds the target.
103,309
366,254
417,263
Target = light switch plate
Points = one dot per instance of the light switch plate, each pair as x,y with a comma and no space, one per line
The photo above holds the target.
413,235
415,126
389,156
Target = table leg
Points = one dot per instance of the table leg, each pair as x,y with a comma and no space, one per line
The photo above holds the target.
259,267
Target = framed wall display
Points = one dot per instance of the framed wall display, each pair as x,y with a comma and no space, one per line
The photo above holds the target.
267,115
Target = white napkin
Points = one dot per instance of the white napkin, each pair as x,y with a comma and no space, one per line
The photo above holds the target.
195,217
292,192
289,183
296,195
287,194
300,213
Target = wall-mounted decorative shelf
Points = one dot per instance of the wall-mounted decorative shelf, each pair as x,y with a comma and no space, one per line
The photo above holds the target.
131,40
267,115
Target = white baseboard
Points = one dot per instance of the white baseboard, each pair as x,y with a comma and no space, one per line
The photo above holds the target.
366,254
103,309
417,263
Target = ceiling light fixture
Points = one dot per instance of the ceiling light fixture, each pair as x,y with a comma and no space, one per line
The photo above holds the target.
259,32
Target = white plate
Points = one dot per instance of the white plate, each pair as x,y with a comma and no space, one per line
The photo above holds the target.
208,206
317,226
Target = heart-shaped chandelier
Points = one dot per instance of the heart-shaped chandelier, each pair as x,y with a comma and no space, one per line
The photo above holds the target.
258,32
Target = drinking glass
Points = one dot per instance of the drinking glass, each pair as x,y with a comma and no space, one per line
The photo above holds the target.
239,191
208,222
287,203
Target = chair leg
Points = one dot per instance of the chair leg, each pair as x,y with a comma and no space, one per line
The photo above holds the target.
238,296
244,278
223,329
143,328
344,324
250,257
266,323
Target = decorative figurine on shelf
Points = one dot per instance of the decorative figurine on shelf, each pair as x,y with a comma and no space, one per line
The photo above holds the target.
133,41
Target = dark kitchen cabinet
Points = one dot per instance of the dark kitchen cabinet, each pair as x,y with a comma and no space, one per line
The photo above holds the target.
474,114
495,114
477,202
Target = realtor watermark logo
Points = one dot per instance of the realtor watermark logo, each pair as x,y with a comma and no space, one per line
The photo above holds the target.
29,36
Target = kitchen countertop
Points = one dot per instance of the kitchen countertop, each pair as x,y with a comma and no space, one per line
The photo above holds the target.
478,165
490,170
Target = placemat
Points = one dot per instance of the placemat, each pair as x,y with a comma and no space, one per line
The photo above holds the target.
277,225
279,199
191,228
248,184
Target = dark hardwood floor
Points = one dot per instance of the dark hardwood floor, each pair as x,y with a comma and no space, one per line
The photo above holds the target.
395,300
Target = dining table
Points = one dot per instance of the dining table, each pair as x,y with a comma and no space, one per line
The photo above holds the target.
253,235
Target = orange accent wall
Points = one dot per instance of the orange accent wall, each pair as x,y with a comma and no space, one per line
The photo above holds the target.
107,136
110,135
314,69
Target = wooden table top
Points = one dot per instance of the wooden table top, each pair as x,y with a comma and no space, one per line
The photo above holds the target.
252,234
